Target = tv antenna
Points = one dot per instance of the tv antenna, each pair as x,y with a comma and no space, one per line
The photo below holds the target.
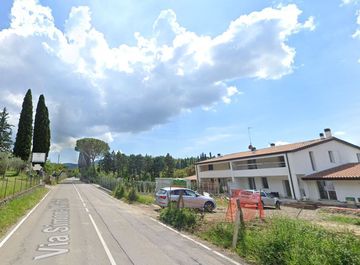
249,133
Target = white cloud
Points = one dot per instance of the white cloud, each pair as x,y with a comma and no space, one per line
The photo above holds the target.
97,90
339,133
347,2
281,143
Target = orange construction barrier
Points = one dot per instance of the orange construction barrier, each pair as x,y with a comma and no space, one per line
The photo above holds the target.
250,203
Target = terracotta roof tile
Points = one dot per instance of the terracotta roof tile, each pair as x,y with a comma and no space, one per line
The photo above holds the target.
347,171
268,151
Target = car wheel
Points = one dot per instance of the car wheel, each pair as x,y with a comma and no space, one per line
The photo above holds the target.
209,207
277,205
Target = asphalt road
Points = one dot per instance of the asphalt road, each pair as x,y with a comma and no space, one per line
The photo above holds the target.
79,224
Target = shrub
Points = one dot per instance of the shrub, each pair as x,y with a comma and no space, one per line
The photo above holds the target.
283,241
179,218
119,191
131,196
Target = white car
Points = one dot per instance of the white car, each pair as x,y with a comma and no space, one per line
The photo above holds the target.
191,198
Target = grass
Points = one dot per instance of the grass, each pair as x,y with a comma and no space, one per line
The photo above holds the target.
283,241
145,198
338,218
11,212
14,185
221,202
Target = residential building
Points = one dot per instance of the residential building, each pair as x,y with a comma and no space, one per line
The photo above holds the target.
325,168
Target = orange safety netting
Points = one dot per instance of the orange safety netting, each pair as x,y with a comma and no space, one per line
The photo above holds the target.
250,204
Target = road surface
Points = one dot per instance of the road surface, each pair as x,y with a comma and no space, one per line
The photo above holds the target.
79,224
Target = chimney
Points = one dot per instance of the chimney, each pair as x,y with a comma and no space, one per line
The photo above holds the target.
322,137
272,144
327,133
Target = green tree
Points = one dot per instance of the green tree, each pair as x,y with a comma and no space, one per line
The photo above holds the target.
92,148
41,140
169,166
5,132
106,163
22,146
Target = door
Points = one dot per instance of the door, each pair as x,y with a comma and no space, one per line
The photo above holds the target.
287,189
326,190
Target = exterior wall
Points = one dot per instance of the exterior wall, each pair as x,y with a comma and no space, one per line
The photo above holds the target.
300,161
299,164
275,184
343,188
262,172
347,188
215,174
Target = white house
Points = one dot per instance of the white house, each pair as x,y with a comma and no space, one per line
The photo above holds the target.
326,168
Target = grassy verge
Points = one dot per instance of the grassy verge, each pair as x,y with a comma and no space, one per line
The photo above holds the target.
12,211
338,218
284,241
145,198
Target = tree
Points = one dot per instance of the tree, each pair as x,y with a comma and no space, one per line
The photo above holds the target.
41,140
92,148
5,132
22,146
169,166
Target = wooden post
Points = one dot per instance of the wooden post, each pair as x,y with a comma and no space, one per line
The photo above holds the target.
239,222
14,186
180,200
6,184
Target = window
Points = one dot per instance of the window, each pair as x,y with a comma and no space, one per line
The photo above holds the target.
312,160
252,185
211,167
265,183
358,157
190,193
331,157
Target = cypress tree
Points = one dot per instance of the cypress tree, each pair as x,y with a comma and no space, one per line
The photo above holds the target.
41,140
22,146
5,132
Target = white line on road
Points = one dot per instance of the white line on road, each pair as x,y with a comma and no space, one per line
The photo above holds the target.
198,243
108,253
21,222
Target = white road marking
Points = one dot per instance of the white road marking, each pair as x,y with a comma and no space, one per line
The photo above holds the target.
108,253
22,221
198,243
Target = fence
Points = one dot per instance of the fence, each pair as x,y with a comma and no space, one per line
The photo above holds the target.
141,186
11,186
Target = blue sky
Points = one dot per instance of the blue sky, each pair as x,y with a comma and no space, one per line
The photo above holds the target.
192,79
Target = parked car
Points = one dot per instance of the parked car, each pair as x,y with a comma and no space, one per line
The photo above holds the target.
191,198
267,199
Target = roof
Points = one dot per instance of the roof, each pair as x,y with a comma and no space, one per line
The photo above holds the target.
348,171
287,148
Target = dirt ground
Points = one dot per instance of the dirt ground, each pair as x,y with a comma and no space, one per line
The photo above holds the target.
314,216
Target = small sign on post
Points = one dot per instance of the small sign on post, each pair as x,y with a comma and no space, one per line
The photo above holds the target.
38,157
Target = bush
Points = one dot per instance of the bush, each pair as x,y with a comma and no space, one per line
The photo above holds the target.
132,196
119,191
179,218
284,241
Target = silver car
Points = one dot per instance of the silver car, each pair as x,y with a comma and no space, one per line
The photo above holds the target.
267,199
191,198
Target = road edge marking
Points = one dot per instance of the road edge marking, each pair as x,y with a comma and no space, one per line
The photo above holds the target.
197,243
7,237
107,250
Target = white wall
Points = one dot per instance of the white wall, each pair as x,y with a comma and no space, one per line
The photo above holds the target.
261,172
343,189
347,188
300,161
275,184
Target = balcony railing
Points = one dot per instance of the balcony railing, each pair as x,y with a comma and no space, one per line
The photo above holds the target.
258,165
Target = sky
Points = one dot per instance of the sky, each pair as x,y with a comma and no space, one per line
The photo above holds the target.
183,77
